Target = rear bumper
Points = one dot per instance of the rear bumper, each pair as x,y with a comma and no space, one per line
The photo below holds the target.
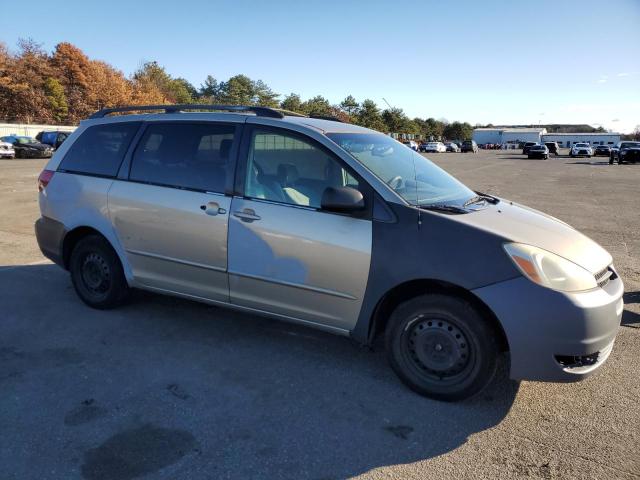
555,336
50,235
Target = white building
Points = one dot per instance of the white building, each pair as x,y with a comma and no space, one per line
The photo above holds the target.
502,135
568,139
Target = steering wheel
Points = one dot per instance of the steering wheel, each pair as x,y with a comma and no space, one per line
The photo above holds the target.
396,182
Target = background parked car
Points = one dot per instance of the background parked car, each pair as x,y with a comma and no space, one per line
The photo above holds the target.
452,147
553,147
411,144
602,150
28,147
469,146
625,152
538,151
53,138
581,150
527,146
437,147
6,150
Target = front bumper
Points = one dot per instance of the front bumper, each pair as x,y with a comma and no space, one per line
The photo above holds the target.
555,336
632,157
582,153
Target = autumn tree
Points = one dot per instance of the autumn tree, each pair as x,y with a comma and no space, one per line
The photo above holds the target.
22,78
72,69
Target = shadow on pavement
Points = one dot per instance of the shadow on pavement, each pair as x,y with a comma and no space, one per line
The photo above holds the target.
586,162
630,318
192,391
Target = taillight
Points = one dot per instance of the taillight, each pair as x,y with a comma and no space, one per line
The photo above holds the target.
44,179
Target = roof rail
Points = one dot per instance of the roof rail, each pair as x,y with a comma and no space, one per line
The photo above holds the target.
259,111
326,117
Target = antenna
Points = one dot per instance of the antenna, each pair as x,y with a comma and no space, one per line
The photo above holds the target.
385,101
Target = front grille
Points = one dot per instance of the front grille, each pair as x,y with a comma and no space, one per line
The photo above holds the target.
604,276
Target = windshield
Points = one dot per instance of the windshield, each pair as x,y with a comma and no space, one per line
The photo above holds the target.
630,145
409,174
24,140
581,145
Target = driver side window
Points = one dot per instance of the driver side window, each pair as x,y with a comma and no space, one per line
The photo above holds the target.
288,169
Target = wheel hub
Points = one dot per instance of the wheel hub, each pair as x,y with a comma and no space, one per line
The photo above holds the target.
439,347
95,273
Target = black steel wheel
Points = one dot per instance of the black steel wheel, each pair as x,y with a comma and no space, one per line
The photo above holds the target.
96,273
441,347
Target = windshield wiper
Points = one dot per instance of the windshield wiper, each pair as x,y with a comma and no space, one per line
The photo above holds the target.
481,197
443,207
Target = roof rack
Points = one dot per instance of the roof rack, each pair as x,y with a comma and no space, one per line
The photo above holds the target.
259,111
326,117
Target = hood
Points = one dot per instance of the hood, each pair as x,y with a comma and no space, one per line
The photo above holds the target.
38,146
517,223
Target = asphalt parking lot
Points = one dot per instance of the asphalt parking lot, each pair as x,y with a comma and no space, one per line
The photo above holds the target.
166,388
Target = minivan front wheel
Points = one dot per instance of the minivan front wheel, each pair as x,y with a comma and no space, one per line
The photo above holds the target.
441,347
96,273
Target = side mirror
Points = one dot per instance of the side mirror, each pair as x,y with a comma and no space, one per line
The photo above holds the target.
342,199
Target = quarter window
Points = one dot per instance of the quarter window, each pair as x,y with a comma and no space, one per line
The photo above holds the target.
291,170
189,156
100,149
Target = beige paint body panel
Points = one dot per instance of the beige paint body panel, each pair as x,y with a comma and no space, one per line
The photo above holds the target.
170,241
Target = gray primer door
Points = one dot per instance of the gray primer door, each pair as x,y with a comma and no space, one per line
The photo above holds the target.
175,240
298,262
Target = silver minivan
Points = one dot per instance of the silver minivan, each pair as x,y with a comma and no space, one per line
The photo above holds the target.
329,225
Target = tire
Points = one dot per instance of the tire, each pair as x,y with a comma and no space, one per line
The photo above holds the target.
441,348
546,157
96,273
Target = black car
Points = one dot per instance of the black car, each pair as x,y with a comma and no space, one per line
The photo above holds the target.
538,151
553,147
602,150
28,147
625,152
527,146
53,138
469,146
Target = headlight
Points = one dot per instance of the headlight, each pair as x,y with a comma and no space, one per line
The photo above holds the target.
550,270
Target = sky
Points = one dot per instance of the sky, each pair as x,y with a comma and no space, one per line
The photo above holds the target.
489,61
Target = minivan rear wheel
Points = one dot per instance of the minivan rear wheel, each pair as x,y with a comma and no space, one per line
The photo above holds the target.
96,273
440,347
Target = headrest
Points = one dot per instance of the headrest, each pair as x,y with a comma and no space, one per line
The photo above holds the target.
225,148
287,174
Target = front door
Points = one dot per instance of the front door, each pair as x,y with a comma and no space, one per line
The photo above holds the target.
171,216
286,255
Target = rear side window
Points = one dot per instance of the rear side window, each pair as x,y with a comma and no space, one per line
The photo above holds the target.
190,156
100,149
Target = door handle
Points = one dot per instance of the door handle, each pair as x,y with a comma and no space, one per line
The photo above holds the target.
213,208
246,215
